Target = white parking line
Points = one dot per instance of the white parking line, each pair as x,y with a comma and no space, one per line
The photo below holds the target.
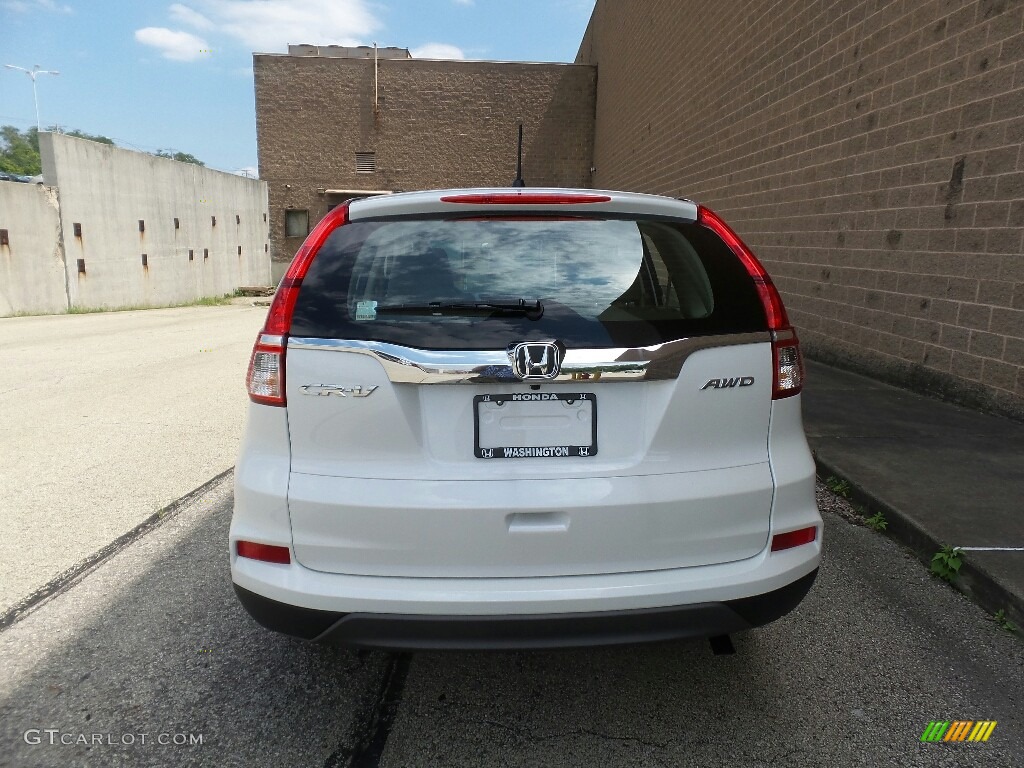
990,549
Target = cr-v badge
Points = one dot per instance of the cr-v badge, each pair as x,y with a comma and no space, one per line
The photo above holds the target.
326,390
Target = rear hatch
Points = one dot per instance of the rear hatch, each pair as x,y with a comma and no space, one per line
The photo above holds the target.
637,440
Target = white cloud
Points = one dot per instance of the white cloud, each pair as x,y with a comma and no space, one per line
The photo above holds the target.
463,2
189,16
24,6
270,25
437,51
249,171
179,46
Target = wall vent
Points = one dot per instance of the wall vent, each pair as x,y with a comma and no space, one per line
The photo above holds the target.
366,162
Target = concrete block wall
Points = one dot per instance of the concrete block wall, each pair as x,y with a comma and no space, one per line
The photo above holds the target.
31,261
107,191
868,150
436,124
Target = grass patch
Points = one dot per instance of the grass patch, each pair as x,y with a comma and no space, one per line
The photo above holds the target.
838,487
876,522
1003,622
946,563
205,301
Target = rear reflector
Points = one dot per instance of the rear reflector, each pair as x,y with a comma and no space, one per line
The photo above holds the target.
268,553
794,538
526,198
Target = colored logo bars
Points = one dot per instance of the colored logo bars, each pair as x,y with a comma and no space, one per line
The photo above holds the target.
958,730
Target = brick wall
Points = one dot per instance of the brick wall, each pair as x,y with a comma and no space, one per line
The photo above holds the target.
868,150
438,124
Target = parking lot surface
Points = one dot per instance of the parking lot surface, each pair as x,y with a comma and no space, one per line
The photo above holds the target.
152,643
107,418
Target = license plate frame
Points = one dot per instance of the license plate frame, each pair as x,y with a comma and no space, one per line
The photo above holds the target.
535,451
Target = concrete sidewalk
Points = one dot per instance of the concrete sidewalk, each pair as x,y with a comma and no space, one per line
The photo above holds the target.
106,419
941,475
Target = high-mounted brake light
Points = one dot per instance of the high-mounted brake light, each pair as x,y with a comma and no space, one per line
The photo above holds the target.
268,553
787,361
265,378
526,198
792,539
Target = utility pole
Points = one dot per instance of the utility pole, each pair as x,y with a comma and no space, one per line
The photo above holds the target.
35,95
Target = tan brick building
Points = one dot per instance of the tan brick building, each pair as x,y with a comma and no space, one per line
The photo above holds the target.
870,151
322,138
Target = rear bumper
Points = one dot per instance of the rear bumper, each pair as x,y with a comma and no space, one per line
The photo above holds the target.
403,631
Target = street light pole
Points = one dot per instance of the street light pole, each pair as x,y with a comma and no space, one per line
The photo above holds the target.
35,94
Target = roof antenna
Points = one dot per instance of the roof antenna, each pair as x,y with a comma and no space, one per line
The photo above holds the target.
519,162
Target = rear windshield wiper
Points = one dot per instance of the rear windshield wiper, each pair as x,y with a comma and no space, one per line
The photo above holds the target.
532,310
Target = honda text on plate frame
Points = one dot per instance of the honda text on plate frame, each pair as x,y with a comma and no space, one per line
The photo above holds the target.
523,418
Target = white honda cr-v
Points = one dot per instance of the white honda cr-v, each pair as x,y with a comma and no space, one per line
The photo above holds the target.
523,418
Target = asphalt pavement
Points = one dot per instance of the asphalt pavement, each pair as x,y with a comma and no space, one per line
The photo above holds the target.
153,644
146,658
942,475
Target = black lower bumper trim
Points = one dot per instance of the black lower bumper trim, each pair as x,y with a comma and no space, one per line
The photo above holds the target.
409,632
307,623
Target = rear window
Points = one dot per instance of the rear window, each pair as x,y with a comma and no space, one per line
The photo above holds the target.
601,283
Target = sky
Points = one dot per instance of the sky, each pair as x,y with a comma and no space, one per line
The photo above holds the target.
178,75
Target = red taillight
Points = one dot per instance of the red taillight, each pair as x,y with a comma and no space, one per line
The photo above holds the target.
526,198
279,318
787,362
773,309
265,378
794,538
268,553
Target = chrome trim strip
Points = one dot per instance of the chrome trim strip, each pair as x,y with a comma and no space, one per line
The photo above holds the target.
407,365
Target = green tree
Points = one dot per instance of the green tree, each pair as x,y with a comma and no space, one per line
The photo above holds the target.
181,157
19,151
90,136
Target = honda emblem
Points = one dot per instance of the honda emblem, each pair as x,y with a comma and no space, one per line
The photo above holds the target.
536,360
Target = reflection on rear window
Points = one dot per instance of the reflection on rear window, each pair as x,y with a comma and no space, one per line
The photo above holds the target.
602,282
